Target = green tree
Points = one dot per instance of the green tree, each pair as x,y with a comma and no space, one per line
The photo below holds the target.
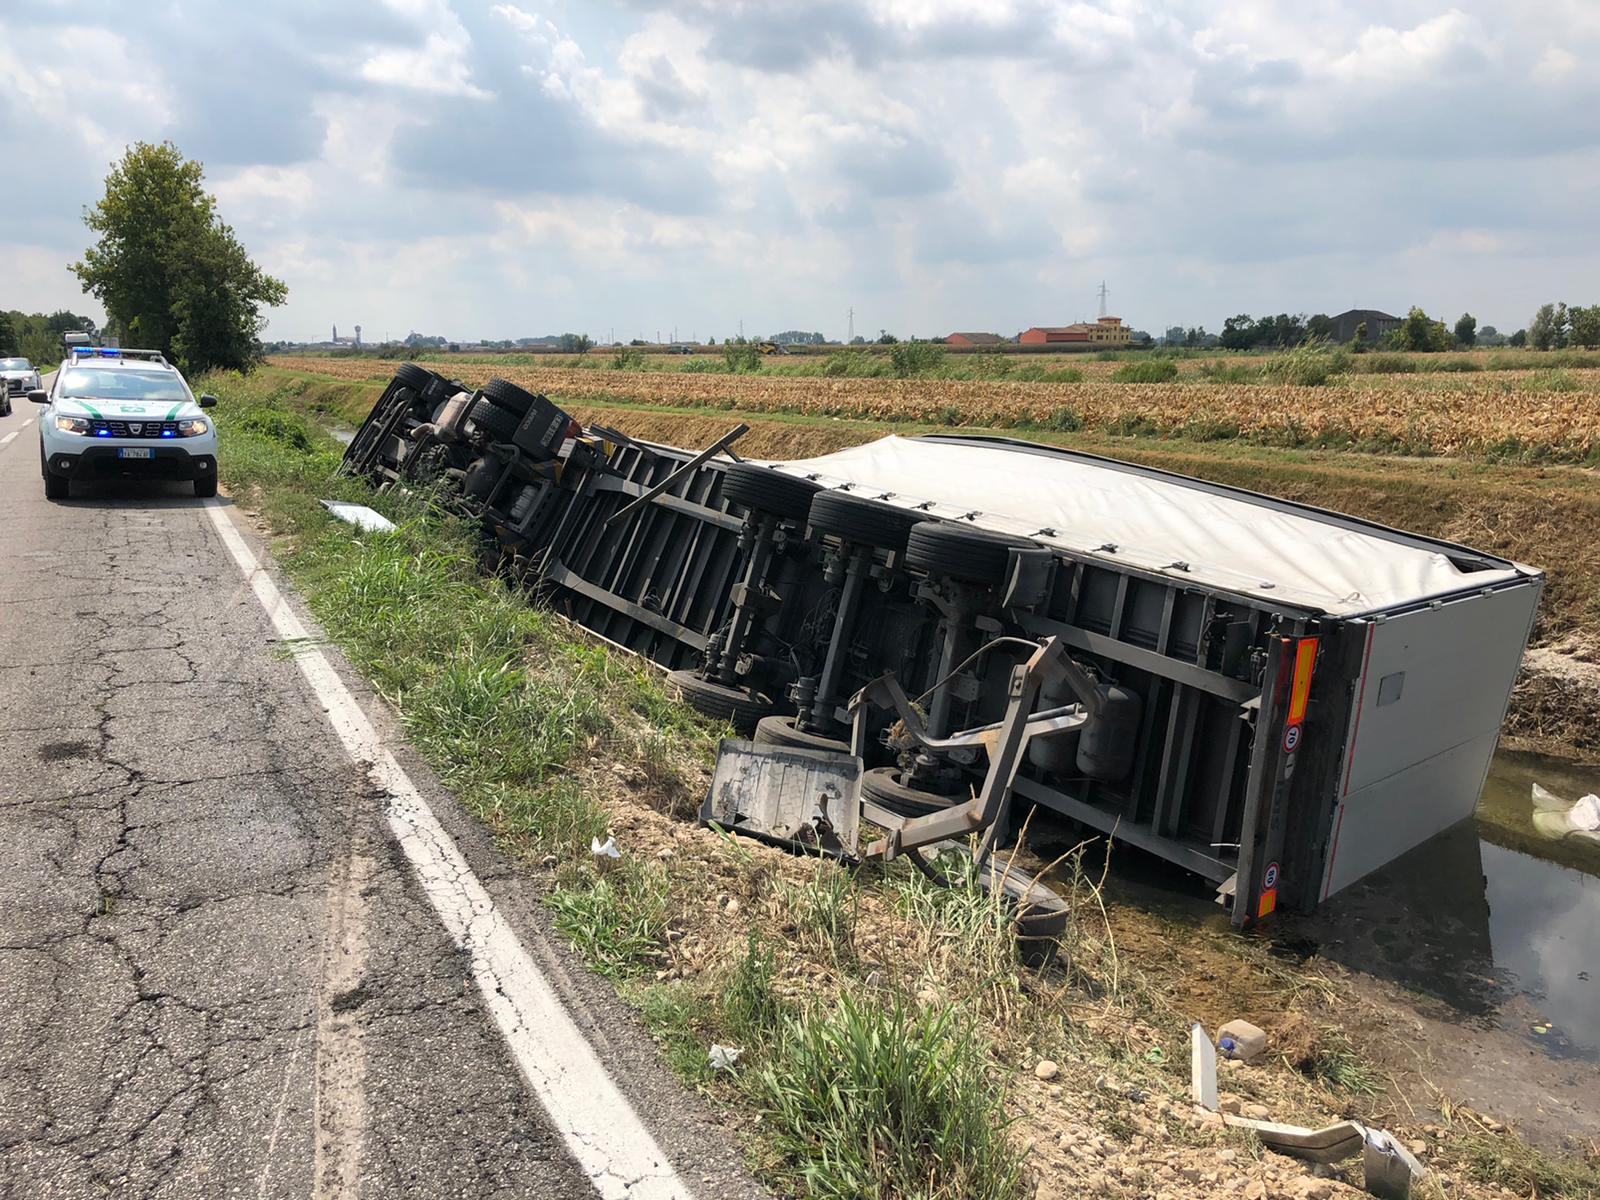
1421,332
1358,343
1519,339
1585,326
1467,331
169,270
1548,329
8,336
576,343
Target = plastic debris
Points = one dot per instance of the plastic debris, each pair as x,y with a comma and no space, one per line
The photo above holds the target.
1202,1069
1388,1168
1241,1040
606,849
359,515
1556,818
722,1058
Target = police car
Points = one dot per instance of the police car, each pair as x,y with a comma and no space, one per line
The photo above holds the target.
124,412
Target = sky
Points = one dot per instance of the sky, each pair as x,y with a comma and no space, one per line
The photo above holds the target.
635,168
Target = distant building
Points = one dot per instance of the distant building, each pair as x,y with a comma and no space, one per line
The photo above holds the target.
1107,331
1377,323
975,339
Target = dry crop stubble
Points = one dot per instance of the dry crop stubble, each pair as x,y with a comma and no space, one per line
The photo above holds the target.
1466,416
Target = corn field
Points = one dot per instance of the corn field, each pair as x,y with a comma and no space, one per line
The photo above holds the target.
1530,416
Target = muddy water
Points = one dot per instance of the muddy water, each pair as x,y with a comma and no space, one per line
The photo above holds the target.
1489,917
1492,923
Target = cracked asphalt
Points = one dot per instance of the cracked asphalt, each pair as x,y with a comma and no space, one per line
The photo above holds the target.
218,974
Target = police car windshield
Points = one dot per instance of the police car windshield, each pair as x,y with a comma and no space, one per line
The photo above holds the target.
88,383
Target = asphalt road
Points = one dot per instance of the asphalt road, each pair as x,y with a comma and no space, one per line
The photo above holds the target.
219,975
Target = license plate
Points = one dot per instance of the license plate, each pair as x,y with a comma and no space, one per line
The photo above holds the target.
134,452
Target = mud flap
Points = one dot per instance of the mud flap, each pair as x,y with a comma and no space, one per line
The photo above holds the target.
807,801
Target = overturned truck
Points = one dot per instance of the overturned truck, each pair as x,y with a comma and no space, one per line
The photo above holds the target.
1274,697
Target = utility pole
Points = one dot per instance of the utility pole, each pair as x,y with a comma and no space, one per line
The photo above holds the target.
851,336
1103,295
741,329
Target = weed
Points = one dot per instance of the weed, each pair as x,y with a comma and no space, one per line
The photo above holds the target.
1310,365
1336,1064
1386,364
750,1008
741,358
1063,420
824,910
702,366
910,360
672,1013
628,358
1217,371
1151,370
1557,380
869,1101
619,921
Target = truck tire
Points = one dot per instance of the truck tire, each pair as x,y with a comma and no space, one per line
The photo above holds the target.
769,491
862,521
496,422
781,731
882,786
739,707
961,552
414,377
510,397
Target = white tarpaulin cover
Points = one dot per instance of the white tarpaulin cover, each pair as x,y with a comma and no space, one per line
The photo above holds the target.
1226,541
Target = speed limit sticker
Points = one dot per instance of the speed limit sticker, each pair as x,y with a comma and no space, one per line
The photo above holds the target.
1291,739
1270,879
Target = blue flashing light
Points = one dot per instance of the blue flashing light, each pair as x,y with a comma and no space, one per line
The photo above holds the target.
102,433
104,353
169,433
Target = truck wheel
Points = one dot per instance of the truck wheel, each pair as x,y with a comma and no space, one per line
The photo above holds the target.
862,521
769,491
739,707
206,487
414,377
495,421
961,552
510,397
781,731
882,786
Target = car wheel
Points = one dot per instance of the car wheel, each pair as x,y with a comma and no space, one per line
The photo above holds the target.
206,486
56,487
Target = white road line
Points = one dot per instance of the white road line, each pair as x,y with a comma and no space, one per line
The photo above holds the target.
5,441
600,1127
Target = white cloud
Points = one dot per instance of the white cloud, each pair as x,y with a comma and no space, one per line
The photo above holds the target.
931,162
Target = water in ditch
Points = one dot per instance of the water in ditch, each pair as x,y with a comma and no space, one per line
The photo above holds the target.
1490,918
1493,918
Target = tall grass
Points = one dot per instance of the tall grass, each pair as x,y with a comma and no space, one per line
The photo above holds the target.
878,1102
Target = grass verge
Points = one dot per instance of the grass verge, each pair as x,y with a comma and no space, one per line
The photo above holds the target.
890,1045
